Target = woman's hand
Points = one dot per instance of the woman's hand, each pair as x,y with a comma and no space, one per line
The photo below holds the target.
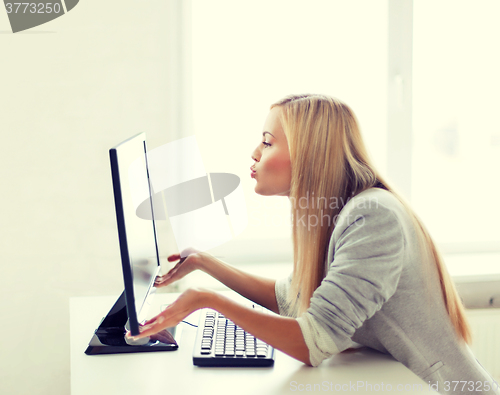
189,301
283,333
258,289
164,336
186,265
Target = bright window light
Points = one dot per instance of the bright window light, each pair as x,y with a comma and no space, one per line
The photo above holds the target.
456,138
246,55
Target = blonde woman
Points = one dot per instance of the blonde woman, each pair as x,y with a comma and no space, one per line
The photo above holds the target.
365,269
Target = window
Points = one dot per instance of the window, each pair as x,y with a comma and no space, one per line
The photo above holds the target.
456,133
246,55
442,73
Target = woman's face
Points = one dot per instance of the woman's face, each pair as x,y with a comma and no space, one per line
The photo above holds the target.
272,168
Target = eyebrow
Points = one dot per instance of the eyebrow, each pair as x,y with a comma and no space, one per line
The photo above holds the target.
264,133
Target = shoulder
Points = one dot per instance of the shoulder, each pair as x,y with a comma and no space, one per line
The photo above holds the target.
378,206
372,222
372,198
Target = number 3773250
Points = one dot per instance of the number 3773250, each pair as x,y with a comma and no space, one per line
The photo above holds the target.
471,385
33,8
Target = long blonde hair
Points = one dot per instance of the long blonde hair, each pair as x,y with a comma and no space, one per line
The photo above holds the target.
329,159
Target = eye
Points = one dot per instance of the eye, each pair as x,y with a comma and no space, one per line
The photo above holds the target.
266,144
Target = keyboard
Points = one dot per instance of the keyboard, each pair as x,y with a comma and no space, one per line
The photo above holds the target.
221,343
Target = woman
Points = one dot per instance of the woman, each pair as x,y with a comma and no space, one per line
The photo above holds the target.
365,268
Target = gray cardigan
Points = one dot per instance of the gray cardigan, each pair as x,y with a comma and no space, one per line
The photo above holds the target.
376,293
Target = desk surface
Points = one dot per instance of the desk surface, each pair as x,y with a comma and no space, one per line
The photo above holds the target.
173,372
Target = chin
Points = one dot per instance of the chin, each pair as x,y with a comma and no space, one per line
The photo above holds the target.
267,192
260,191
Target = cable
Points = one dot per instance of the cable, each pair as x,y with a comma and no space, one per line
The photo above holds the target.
196,326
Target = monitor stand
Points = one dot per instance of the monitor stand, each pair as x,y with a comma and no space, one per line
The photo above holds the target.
109,337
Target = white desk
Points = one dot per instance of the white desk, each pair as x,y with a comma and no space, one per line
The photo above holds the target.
173,372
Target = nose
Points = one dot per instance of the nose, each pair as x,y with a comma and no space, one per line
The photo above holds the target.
256,154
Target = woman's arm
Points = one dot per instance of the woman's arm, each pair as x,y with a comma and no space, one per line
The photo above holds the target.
283,333
258,289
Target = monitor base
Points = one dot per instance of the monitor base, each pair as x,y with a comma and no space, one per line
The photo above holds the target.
109,337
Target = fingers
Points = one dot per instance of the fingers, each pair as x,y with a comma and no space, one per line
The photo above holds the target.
155,325
184,305
185,253
158,318
145,330
168,275
161,280
165,279
174,257
139,336
164,336
150,327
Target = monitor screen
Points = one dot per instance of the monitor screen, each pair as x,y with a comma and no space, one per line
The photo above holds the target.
137,236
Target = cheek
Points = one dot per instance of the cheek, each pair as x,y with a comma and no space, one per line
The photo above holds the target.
278,164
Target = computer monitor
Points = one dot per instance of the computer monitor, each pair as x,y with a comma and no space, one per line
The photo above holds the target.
139,254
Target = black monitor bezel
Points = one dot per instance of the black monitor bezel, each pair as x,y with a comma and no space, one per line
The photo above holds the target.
122,234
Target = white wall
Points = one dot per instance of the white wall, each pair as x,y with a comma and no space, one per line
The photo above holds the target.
69,90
